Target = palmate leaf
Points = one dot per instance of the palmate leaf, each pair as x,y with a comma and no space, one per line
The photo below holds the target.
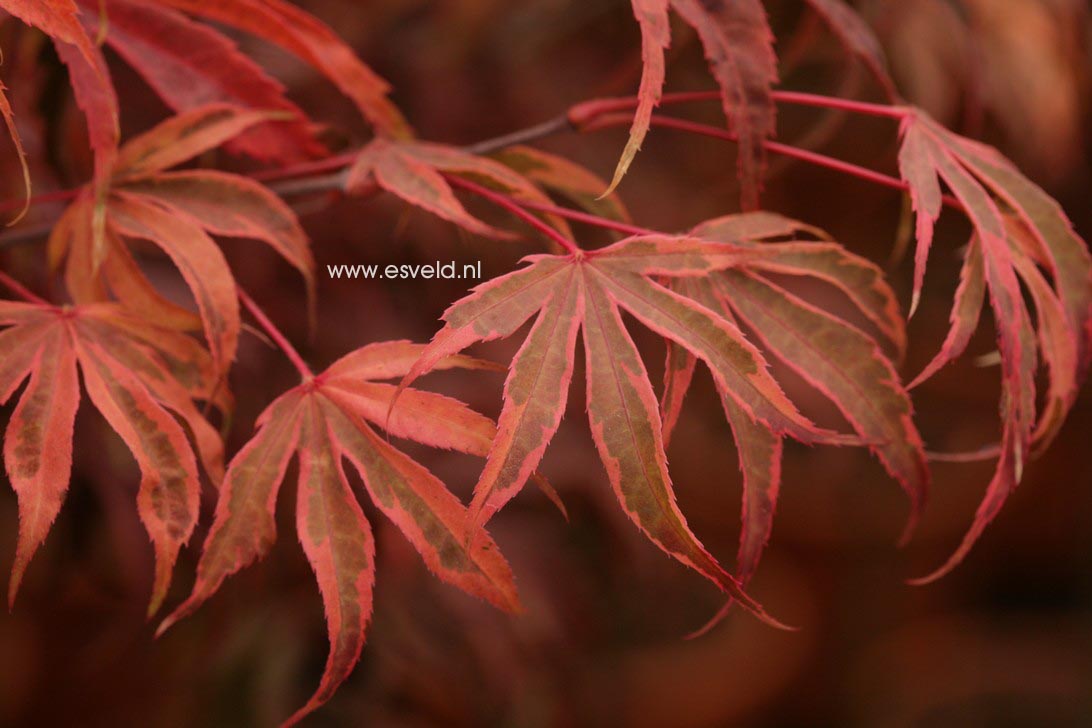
60,20
190,65
739,47
90,79
140,377
738,44
324,421
1021,236
565,178
585,292
178,211
414,172
13,132
843,362
313,42
857,37
759,447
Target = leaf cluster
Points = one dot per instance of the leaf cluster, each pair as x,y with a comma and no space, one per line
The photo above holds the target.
722,292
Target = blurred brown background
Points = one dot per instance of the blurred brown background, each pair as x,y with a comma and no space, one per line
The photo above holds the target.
1006,640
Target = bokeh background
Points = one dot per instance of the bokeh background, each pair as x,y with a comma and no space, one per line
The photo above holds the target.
1005,640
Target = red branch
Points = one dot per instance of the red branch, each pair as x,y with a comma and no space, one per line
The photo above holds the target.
821,160
321,175
278,338
20,290
509,204
585,217
586,111
307,169
834,102
54,196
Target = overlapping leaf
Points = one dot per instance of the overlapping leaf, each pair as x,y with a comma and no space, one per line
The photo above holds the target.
140,377
1020,233
178,211
190,65
836,356
857,37
312,41
59,19
414,171
585,292
13,132
564,177
739,47
324,421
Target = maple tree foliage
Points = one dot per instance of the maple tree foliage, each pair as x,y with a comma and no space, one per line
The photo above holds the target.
583,291
1019,233
723,292
739,45
325,420
177,211
136,374
414,171
834,355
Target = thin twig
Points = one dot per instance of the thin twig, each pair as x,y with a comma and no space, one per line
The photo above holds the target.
300,179
275,334
20,290
293,180
547,128
836,102
334,182
509,204
306,169
53,196
21,235
585,217
586,111
821,160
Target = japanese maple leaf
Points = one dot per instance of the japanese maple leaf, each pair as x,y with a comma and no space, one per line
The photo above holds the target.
857,37
59,19
313,42
564,178
835,355
140,377
190,65
739,47
324,421
738,44
13,132
177,211
584,292
414,171
1020,235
